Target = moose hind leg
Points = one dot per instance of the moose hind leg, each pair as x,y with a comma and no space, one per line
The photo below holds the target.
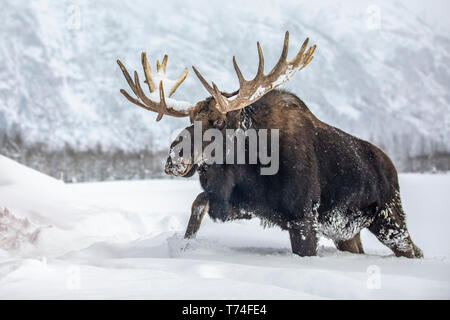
198,210
353,245
389,226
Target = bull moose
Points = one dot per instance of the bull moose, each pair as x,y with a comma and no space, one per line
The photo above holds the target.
329,183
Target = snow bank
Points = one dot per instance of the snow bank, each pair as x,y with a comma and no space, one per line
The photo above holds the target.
124,240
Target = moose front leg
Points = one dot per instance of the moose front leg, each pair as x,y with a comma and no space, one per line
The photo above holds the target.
202,205
303,237
198,211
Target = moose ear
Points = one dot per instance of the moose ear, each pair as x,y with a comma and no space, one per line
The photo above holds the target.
192,114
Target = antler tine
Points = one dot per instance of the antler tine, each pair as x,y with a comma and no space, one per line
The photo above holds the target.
147,72
220,100
179,81
251,91
133,100
282,61
127,76
163,101
163,66
140,94
260,72
238,72
158,66
300,57
308,56
203,81
142,100
164,63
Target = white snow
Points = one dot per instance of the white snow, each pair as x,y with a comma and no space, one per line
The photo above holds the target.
168,84
175,104
258,93
124,240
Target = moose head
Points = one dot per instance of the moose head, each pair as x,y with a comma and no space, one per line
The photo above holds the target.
220,110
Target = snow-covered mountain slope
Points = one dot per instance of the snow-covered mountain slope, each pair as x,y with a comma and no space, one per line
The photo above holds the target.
124,240
380,72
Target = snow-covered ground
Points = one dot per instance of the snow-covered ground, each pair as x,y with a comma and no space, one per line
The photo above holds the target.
124,240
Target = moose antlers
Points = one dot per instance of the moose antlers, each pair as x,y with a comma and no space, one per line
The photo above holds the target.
251,91
164,106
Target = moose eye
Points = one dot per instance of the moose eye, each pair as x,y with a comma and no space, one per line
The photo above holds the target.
218,123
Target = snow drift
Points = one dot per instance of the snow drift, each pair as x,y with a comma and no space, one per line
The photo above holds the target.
124,240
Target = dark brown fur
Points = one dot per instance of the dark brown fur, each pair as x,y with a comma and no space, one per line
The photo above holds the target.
329,182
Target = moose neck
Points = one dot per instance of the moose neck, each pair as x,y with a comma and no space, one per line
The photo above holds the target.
246,121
